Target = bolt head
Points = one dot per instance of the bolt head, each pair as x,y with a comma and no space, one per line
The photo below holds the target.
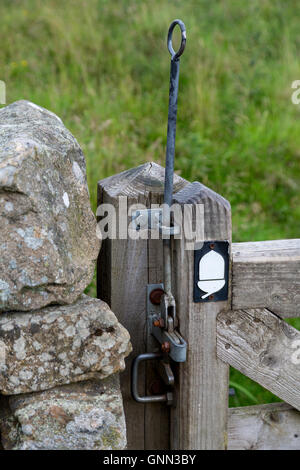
159,323
155,296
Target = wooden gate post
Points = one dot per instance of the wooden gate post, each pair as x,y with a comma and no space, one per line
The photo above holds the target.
125,267
199,420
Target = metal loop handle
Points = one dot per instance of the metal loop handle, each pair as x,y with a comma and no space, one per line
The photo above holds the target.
166,397
176,55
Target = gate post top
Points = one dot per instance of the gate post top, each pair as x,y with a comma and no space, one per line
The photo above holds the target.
198,192
217,210
143,179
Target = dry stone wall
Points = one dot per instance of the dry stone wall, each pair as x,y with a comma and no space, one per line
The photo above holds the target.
48,242
60,350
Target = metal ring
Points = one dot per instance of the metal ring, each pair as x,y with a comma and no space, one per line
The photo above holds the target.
176,55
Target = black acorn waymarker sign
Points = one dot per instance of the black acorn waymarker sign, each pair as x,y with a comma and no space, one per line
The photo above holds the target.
211,266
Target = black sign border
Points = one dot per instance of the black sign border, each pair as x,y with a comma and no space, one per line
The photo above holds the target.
221,247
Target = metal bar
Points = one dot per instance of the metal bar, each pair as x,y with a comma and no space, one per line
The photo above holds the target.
170,151
134,380
171,136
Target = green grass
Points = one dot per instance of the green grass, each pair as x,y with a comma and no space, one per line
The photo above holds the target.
103,67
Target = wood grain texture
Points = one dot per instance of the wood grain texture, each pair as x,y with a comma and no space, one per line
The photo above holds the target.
263,347
124,269
267,275
157,415
199,420
264,427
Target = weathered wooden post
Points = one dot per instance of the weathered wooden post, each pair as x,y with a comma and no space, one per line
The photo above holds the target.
125,267
199,420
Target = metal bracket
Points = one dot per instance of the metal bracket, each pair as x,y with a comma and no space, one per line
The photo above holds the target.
177,344
151,219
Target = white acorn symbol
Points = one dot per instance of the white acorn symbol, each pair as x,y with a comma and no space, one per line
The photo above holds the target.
211,273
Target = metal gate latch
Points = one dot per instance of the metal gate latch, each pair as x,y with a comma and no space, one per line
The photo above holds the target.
161,307
162,324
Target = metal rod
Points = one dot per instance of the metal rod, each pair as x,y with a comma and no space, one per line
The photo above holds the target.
170,151
172,118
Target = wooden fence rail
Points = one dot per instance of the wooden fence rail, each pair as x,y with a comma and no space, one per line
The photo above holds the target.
264,427
267,275
264,348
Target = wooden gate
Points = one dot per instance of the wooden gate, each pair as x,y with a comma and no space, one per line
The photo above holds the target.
247,331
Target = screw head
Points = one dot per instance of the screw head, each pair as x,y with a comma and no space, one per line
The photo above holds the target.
165,347
155,296
159,322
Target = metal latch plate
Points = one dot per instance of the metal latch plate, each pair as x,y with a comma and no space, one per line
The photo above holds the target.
178,345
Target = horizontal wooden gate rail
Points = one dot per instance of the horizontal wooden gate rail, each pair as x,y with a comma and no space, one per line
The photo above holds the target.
264,427
267,275
247,331
263,347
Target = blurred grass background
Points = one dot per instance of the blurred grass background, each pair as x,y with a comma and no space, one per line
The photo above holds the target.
103,67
